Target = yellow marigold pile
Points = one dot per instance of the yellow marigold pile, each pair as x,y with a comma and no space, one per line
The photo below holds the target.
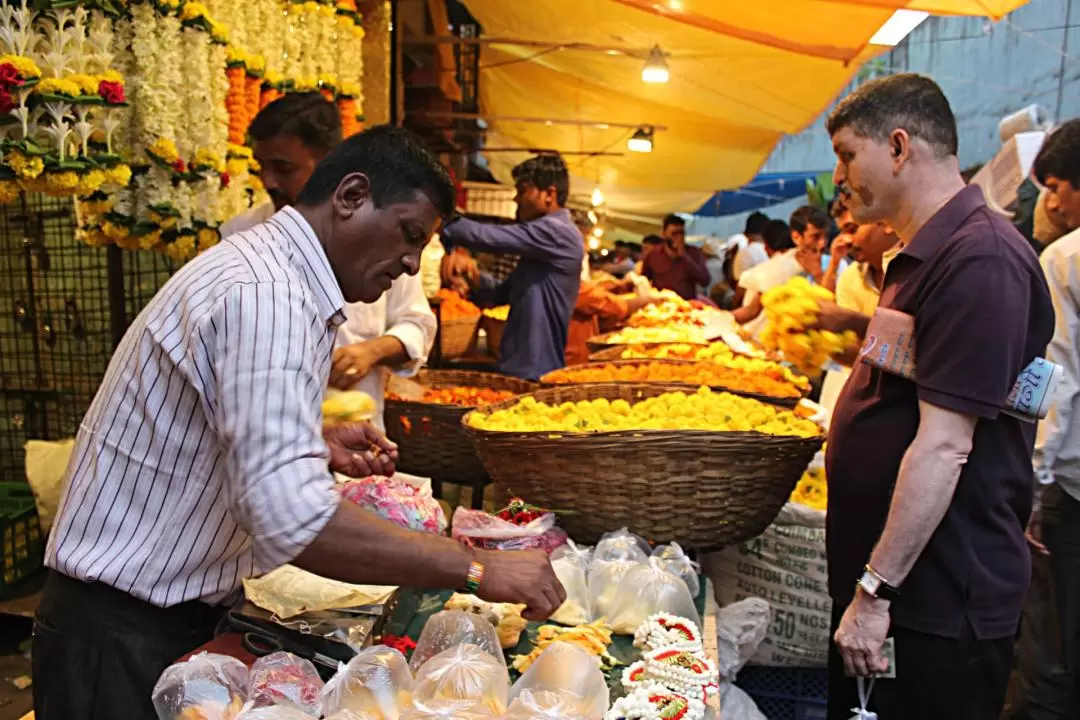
791,311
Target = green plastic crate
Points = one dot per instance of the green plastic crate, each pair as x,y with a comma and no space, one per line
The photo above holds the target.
20,535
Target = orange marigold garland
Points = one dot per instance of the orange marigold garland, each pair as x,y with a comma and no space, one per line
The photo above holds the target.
236,103
253,93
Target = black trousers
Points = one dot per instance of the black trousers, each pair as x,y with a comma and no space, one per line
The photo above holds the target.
97,651
1048,651
936,678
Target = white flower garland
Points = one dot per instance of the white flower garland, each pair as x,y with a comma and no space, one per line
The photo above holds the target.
219,88
655,702
197,128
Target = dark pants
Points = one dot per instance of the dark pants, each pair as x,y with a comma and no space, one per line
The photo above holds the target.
936,678
1048,668
98,652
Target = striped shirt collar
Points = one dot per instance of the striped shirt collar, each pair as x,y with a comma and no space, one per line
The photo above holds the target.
310,260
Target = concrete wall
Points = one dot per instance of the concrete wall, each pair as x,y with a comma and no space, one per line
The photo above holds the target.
988,70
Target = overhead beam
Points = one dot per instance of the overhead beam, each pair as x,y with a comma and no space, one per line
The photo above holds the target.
599,124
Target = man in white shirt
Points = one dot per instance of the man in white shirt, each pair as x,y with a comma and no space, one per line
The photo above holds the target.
394,333
777,270
752,252
1054,530
202,460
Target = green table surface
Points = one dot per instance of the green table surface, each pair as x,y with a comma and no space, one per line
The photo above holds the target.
416,606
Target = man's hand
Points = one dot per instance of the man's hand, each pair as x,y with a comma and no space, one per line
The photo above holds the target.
674,250
458,268
841,247
352,362
523,576
360,450
1034,534
839,320
810,261
861,636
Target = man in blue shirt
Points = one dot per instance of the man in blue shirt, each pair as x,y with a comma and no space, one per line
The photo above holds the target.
543,288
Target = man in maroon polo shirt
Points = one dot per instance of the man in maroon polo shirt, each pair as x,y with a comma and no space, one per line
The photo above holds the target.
930,485
675,265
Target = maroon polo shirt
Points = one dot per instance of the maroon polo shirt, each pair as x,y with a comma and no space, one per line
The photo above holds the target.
982,313
682,274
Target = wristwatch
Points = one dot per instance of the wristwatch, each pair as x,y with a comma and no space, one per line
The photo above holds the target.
876,586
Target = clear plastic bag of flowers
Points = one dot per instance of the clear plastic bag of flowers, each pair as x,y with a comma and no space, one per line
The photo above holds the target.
377,682
571,566
274,712
646,590
568,673
208,685
465,672
673,559
543,705
621,545
604,581
451,628
450,710
284,679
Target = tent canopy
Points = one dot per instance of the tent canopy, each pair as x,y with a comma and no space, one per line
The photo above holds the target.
764,190
566,75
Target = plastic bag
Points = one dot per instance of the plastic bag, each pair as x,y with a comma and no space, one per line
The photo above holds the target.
465,672
646,590
377,681
400,502
735,704
453,710
479,529
621,545
571,566
604,581
570,673
740,628
350,715
281,678
542,705
205,687
274,712
675,561
451,628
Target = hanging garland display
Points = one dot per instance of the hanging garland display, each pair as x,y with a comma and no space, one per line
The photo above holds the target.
140,110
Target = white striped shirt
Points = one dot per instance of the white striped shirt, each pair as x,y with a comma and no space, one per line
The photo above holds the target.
201,460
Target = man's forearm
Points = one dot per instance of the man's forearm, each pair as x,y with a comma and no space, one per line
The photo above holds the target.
924,489
390,350
359,547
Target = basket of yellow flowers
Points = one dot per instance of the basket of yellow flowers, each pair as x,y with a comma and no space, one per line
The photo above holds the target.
703,468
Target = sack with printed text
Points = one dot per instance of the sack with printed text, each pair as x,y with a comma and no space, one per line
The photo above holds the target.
786,565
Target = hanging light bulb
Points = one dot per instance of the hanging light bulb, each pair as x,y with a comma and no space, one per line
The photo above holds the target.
641,141
594,243
593,217
598,232
656,69
597,197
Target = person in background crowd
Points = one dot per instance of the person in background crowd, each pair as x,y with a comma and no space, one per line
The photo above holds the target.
930,483
777,270
674,265
621,262
648,244
753,251
810,232
203,461
1050,675
289,137
600,303
543,288
714,261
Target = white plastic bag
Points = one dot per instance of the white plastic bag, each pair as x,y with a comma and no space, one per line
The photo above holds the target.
621,545
465,672
377,682
210,684
568,674
283,679
571,565
543,705
740,628
674,560
646,590
450,710
604,581
452,628
735,704
274,712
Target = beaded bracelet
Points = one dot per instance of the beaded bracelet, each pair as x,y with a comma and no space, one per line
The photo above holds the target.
474,577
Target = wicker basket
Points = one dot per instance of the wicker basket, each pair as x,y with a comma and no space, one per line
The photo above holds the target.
430,438
457,335
701,489
597,343
786,402
494,329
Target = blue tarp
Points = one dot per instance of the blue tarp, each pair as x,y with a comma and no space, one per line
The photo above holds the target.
764,190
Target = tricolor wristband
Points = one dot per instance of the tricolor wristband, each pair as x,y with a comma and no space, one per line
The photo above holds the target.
474,577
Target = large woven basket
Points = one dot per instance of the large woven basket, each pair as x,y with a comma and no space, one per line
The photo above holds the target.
431,440
701,489
787,402
457,335
494,329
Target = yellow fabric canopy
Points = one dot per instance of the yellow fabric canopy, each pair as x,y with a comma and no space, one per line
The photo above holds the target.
743,74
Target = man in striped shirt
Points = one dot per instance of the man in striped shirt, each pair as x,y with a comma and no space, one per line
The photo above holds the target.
202,459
